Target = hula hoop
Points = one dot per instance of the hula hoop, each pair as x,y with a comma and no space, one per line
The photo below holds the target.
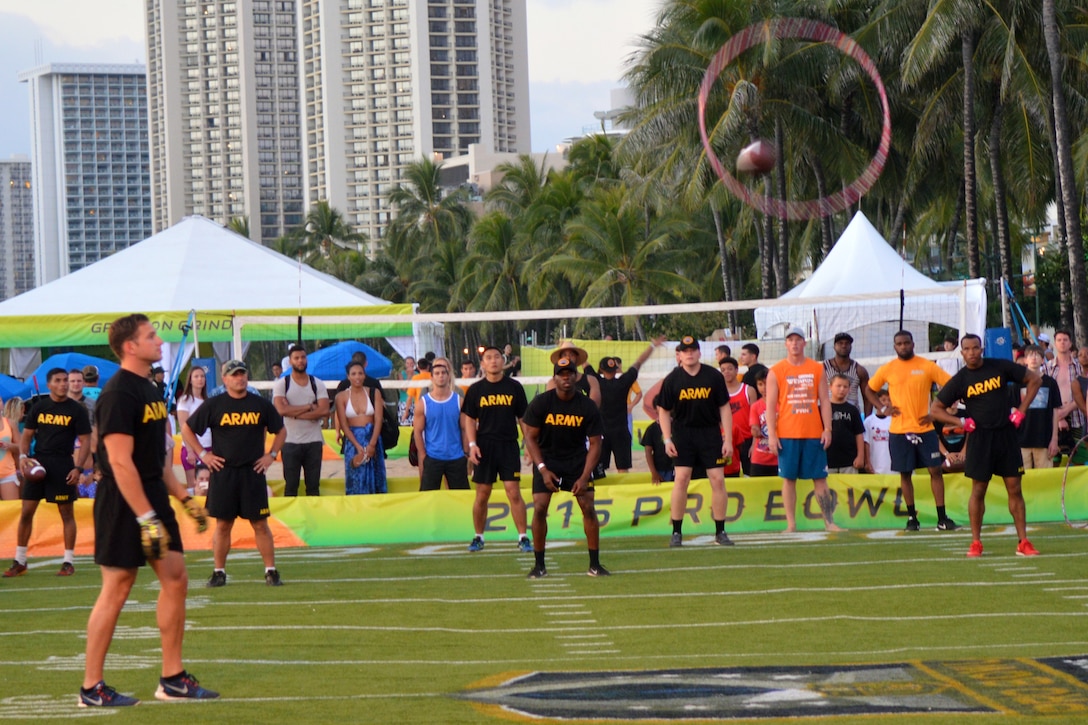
796,28
1065,479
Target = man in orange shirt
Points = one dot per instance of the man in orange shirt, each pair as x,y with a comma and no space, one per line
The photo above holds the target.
913,442
799,427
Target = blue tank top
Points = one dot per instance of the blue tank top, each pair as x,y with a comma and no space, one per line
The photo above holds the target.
442,433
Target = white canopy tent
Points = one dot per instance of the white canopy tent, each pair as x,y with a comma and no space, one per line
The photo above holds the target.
195,265
860,263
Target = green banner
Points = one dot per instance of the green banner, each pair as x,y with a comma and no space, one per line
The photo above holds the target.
211,326
634,509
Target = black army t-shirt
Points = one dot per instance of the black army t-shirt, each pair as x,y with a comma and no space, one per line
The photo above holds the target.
496,407
564,426
238,426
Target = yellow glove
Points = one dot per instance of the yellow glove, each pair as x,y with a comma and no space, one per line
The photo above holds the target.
154,538
197,512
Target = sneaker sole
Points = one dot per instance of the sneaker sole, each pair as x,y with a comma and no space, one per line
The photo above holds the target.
84,704
1021,553
161,694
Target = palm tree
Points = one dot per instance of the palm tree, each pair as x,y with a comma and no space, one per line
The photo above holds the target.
426,213
325,229
239,225
520,185
491,272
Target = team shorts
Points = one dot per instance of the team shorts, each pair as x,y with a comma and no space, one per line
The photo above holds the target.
763,469
698,448
54,487
992,453
616,444
498,461
238,491
116,532
802,459
910,451
567,474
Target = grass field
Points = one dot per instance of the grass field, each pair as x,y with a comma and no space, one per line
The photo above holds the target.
435,634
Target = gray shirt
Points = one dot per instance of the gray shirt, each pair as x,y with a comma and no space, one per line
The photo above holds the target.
301,431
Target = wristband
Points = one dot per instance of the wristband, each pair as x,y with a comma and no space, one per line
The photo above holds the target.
144,518
472,444
668,440
540,466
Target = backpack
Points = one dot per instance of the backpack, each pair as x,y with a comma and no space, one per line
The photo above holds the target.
390,432
313,387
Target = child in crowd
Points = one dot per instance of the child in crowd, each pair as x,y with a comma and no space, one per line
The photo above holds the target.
764,460
1038,434
203,476
878,459
846,454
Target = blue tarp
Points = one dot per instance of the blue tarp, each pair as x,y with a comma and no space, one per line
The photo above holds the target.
328,363
69,361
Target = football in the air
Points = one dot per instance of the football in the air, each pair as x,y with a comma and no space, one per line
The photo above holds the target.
757,157
33,471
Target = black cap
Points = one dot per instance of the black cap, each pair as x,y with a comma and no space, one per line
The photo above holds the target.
844,336
687,342
609,364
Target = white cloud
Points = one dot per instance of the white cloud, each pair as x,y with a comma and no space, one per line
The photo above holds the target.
584,40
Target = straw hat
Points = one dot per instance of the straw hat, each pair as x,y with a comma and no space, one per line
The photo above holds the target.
580,355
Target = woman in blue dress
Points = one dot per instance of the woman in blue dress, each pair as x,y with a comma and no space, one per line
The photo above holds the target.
364,458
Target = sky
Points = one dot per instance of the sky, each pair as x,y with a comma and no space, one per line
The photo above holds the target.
577,50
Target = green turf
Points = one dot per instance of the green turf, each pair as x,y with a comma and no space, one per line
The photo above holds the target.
396,634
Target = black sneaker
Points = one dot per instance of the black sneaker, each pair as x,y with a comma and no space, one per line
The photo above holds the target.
722,539
912,524
676,540
538,572
217,579
947,524
272,578
183,687
598,571
102,695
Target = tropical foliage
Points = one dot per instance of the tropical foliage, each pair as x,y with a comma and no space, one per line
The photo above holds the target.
989,116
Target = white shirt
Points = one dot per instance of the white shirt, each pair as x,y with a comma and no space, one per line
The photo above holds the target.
877,433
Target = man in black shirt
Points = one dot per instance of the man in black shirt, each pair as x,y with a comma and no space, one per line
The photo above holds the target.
490,416
697,423
238,421
992,447
53,424
131,419
557,425
614,394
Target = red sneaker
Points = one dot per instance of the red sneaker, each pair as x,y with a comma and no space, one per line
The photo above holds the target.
1024,548
975,551
66,569
16,569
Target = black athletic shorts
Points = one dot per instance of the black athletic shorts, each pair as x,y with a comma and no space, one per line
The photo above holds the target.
237,492
54,487
617,444
993,453
567,478
434,470
698,447
498,461
116,533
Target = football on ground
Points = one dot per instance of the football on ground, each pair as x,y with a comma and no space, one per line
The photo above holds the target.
757,157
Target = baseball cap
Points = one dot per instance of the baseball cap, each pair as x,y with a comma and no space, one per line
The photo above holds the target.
230,367
842,336
1043,337
687,342
609,364
565,365
90,373
796,331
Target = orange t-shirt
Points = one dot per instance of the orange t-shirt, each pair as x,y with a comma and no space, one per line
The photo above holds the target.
799,398
7,460
910,385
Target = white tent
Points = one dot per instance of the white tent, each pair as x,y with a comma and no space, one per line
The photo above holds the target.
862,262
194,265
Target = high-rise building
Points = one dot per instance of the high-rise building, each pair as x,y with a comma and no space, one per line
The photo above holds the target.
16,227
386,82
223,90
92,195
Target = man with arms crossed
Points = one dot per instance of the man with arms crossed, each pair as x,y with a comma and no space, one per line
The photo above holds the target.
238,420
303,401
799,427
558,424
53,424
490,415
912,442
982,384
697,424
136,477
